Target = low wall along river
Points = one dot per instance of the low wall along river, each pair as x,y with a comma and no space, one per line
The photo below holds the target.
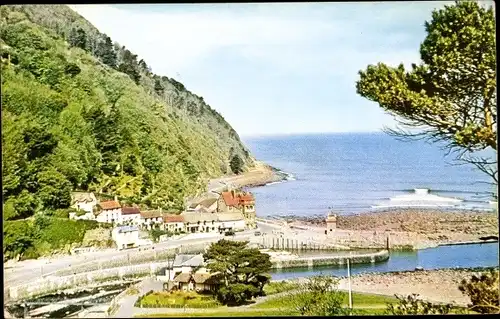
55,283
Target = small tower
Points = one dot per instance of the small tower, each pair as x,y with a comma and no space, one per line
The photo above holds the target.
331,223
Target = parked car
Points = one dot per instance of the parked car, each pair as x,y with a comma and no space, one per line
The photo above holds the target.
258,233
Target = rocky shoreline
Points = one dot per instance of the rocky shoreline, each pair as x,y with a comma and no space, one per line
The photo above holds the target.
434,285
260,174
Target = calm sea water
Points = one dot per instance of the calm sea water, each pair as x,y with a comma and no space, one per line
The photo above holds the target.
460,256
351,173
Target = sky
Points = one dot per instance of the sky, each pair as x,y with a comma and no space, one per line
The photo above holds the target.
272,69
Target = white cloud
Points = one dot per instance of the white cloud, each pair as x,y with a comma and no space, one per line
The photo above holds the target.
301,41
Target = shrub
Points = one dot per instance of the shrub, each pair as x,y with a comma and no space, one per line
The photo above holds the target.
483,292
412,305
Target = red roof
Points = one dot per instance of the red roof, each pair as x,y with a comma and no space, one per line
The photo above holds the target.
246,198
109,205
130,210
229,199
167,218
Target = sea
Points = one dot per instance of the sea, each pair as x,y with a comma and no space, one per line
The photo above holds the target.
362,172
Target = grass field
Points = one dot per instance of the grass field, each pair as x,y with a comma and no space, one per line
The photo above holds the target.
178,299
221,313
279,286
359,300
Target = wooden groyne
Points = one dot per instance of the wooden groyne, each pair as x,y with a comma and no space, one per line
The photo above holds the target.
315,261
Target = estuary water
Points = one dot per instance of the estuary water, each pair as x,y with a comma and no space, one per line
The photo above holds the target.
457,256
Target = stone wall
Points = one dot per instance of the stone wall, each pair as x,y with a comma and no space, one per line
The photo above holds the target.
332,260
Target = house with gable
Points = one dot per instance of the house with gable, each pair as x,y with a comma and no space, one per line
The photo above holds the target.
152,218
188,272
238,202
84,201
131,215
111,212
173,223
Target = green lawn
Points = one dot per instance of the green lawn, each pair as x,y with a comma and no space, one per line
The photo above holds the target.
222,313
359,300
279,286
177,299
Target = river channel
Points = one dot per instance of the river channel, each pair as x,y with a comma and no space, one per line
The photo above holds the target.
459,256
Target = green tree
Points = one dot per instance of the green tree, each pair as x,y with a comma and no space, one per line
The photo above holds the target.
78,38
240,271
236,164
155,234
54,189
412,305
106,52
451,95
483,292
130,66
159,88
318,296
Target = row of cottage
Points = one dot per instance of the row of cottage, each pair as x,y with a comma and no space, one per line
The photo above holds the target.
230,210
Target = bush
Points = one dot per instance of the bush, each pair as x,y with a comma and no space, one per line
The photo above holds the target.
483,292
412,305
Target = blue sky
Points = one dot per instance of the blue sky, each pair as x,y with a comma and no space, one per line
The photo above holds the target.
276,68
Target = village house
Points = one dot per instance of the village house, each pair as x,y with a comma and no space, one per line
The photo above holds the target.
230,222
173,223
208,205
111,212
200,222
84,201
188,272
125,236
150,219
238,202
131,215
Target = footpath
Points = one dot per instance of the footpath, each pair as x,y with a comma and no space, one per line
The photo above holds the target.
126,308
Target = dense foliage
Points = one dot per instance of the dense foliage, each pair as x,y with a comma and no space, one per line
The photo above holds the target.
80,113
319,296
412,305
240,271
483,291
236,164
451,95
41,235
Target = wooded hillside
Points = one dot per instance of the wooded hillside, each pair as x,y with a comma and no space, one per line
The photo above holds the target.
80,112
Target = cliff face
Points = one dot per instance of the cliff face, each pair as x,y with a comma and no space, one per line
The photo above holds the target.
80,112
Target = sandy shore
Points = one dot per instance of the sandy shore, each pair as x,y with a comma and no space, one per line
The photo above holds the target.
432,285
259,175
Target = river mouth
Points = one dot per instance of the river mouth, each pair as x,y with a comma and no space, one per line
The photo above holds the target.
442,257
18,311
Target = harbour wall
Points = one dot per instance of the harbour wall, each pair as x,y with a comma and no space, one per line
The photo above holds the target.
316,261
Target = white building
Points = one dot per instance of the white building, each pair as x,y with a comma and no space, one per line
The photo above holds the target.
111,212
173,223
130,216
230,221
85,202
125,236
151,218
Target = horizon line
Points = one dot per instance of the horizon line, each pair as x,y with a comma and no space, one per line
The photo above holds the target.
310,133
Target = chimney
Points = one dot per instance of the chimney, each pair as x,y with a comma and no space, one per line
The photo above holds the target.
232,193
116,198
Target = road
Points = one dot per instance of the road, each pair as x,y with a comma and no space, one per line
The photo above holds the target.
31,270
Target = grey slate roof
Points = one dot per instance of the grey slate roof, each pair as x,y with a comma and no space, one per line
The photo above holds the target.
188,261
